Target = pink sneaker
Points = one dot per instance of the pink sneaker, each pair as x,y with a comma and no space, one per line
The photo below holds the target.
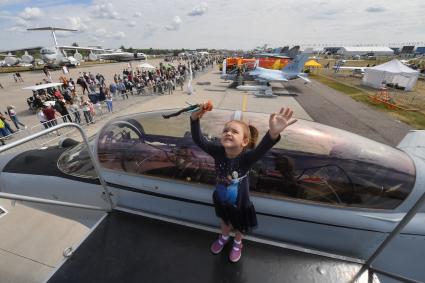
236,252
219,244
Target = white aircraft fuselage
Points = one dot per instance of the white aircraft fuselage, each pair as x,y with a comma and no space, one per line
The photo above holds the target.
54,57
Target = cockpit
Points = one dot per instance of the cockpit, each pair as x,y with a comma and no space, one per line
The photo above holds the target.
311,162
47,51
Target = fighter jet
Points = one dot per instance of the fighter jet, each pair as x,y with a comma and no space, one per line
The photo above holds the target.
290,72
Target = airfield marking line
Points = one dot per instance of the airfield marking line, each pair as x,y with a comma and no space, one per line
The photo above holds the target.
25,257
244,102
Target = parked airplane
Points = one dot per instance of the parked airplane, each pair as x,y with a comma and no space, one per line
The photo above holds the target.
291,71
355,70
319,187
57,56
13,60
119,55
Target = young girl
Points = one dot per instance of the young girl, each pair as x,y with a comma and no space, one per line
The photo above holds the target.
234,158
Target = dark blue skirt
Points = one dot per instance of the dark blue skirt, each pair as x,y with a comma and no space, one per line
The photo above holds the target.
242,218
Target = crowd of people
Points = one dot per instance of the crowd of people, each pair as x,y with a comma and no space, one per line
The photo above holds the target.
81,99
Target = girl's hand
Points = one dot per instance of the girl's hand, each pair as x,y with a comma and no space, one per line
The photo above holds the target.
198,114
203,107
279,121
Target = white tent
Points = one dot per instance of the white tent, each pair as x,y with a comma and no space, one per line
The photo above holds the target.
392,72
146,66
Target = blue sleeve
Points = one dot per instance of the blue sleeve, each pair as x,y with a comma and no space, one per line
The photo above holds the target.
198,138
252,156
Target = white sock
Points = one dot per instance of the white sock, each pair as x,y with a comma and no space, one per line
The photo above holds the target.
237,242
225,237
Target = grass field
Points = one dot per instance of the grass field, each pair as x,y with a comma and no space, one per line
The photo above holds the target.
415,119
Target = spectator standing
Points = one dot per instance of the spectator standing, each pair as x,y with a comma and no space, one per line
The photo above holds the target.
18,75
6,124
75,110
122,89
47,72
60,106
42,118
170,86
85,106
50,114
83,84
109,101
14,117
3,133
92,87
113,88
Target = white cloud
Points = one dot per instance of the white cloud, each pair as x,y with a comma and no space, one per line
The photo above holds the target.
175,24
119,35
339,21
150,28
199,10
10,2
131,24
21,22
31,13
100,32
15,29
375,9
78,23
105,11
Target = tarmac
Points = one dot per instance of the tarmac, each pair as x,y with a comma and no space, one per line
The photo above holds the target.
32,241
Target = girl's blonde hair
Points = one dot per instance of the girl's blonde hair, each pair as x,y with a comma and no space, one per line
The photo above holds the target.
250,132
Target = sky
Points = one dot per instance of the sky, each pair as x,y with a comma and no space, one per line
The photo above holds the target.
218,24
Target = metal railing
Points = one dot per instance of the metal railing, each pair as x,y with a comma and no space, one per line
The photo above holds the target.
54,202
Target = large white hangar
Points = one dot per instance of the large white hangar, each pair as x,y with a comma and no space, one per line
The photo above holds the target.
364,50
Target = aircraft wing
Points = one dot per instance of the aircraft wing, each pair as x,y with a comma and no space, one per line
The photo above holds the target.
81,48
21,49
52,28
304,78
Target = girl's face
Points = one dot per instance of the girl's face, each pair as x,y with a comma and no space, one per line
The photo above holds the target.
233,136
